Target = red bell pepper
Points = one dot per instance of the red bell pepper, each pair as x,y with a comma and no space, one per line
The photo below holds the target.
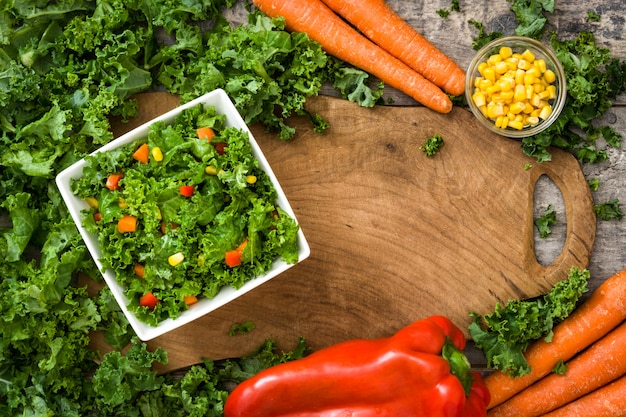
186,190
112,182
420,371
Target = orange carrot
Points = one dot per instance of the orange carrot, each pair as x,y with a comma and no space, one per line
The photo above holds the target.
376,20
139,270
608,401
340,39
603,362
190,299
142,154
598,315
205,133
127,223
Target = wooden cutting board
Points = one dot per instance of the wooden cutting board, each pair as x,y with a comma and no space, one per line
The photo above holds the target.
395,236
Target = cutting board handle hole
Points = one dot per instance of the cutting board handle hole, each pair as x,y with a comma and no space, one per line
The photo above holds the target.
548,197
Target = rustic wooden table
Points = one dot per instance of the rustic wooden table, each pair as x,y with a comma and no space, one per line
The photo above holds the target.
454,35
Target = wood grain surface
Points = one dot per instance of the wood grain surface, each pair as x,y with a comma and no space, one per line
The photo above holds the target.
395,235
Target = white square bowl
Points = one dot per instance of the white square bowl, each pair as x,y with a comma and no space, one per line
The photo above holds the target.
223,105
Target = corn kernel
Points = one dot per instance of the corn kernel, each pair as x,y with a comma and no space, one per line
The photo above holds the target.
541,66
121,203
529,79
523,64
493,89
506,96
517,107
505,52
479,98
495,110
545,112
210,170
481,67
528,55
251,179
549,76
176,258
516,124
530,91
489,74
538,88
493,60
506,84
531,120
551,89
511,63
92,202
157,154
501,67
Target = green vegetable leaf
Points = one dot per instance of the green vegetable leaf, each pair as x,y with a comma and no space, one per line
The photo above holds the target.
241,328
530,16
545,221
432,145
610,210
560,368
504,335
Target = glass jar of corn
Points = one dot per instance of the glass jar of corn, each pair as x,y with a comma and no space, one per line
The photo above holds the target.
515,86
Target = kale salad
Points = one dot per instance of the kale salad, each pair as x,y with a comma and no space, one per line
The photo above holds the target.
184,212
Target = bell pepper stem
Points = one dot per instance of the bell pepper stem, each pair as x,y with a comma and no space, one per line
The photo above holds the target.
459,365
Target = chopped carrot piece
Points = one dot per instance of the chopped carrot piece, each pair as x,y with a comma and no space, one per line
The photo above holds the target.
127,223
97,216
190,299
205,133
139,270
142,154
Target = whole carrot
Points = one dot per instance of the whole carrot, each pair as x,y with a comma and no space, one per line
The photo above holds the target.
384,27
608,401
598,315
338,38
598,365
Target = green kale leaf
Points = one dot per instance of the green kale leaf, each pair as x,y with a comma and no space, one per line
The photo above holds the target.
504,335
530,16
593,80
610,210
545,221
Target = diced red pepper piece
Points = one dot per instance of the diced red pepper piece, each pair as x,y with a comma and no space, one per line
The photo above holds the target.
186,190
113,181
148,300
233,257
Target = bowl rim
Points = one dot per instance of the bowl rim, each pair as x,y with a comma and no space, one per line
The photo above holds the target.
220,100
557,105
